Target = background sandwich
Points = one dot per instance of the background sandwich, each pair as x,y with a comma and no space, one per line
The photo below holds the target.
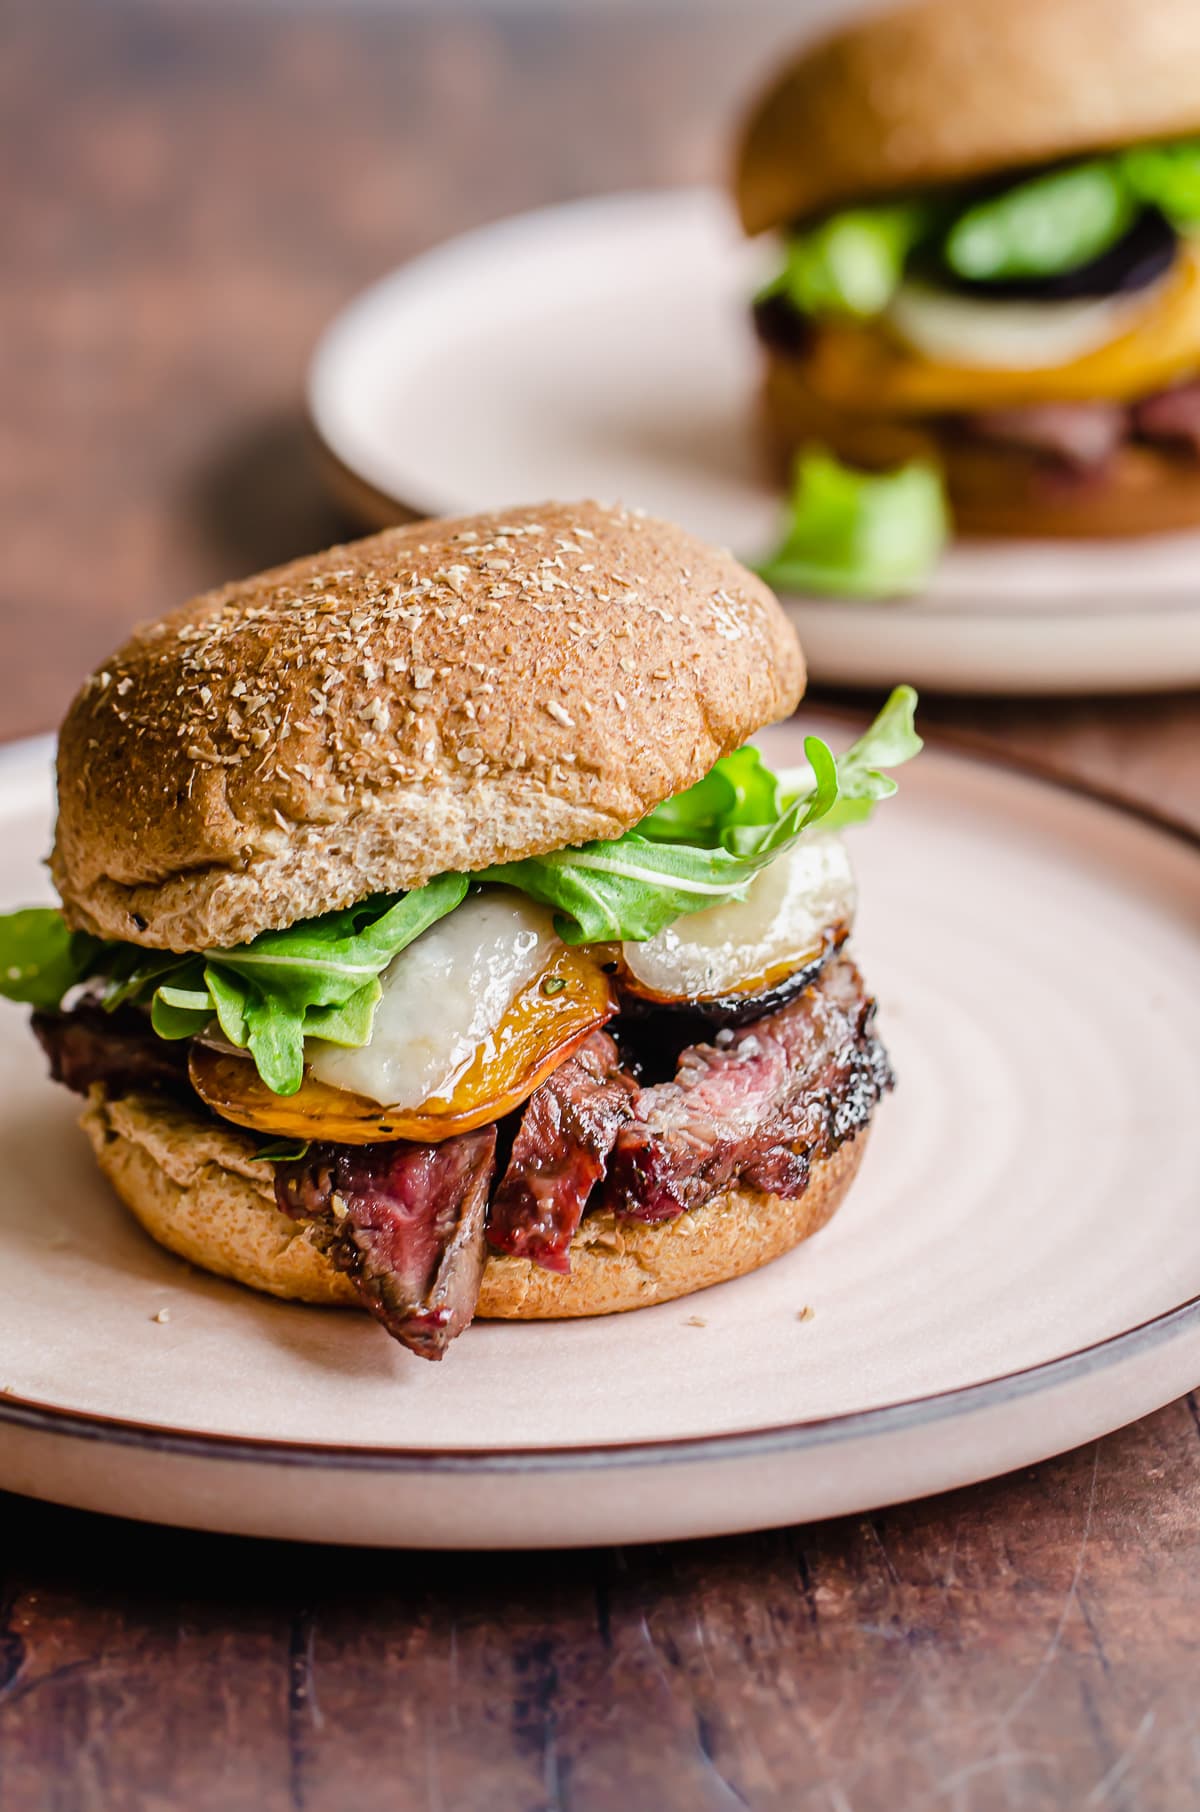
992,258
431,941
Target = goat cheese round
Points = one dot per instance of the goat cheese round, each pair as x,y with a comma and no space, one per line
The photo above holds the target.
442,999
725,949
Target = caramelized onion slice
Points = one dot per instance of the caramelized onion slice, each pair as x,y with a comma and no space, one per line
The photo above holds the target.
544,1024
750,945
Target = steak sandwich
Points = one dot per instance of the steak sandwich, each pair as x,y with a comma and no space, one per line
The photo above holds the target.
432,941
991,256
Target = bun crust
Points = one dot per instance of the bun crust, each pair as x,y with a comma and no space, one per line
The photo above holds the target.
198,1190
442,696
993,490
946,90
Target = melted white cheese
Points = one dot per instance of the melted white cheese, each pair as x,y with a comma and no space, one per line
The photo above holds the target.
442,997
955,329
803,892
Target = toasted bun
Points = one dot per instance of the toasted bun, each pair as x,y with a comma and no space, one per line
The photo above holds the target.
199,1191
993,489
443,696
946,90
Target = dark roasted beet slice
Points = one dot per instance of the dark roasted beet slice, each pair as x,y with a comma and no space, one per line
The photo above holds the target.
559,1154
683,1021
759,1105
406,1223
780,326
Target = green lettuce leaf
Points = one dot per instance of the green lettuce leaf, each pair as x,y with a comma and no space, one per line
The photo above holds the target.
179,1012
633,886
1047,224
1166,177
856,534
740,789
283,1151
861,771
39,958
851,263
318,979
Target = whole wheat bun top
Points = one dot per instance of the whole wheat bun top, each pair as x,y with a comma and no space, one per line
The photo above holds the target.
440,697
946,90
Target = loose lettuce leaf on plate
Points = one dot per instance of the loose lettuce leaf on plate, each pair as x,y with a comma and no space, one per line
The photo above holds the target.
853,534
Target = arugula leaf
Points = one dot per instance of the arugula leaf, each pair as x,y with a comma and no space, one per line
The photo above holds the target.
628,888
180,1012
740,789
317,979
852,262
632,887
858,534
1166,177
889,742
348,1024
322,962
283,1151
1041,226
39,958
227,997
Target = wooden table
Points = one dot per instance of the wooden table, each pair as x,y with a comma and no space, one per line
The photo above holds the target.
188,191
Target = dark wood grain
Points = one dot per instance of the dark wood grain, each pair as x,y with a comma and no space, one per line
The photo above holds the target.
1027,1643
188,190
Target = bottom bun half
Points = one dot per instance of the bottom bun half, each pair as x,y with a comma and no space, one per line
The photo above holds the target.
198,1189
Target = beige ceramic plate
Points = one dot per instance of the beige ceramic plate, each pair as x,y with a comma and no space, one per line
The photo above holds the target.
1016,1270
604,349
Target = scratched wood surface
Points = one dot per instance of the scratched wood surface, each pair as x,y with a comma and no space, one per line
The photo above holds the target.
188,190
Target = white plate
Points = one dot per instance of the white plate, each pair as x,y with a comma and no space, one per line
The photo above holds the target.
1005,1280
604,349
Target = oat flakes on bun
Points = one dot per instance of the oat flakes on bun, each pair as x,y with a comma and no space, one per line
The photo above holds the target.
433,941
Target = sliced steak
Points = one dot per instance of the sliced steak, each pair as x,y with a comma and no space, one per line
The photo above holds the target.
1172,416
759,1106
1080,436
406,1224
559,1154
119,1049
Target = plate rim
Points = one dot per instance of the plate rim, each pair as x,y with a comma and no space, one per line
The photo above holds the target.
735,1444
362,487
876,1422
447,251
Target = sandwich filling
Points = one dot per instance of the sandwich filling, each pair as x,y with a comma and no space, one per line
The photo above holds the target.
1053,317
631,1027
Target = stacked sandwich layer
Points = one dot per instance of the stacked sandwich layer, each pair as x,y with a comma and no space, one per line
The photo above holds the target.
431,937
1003,281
